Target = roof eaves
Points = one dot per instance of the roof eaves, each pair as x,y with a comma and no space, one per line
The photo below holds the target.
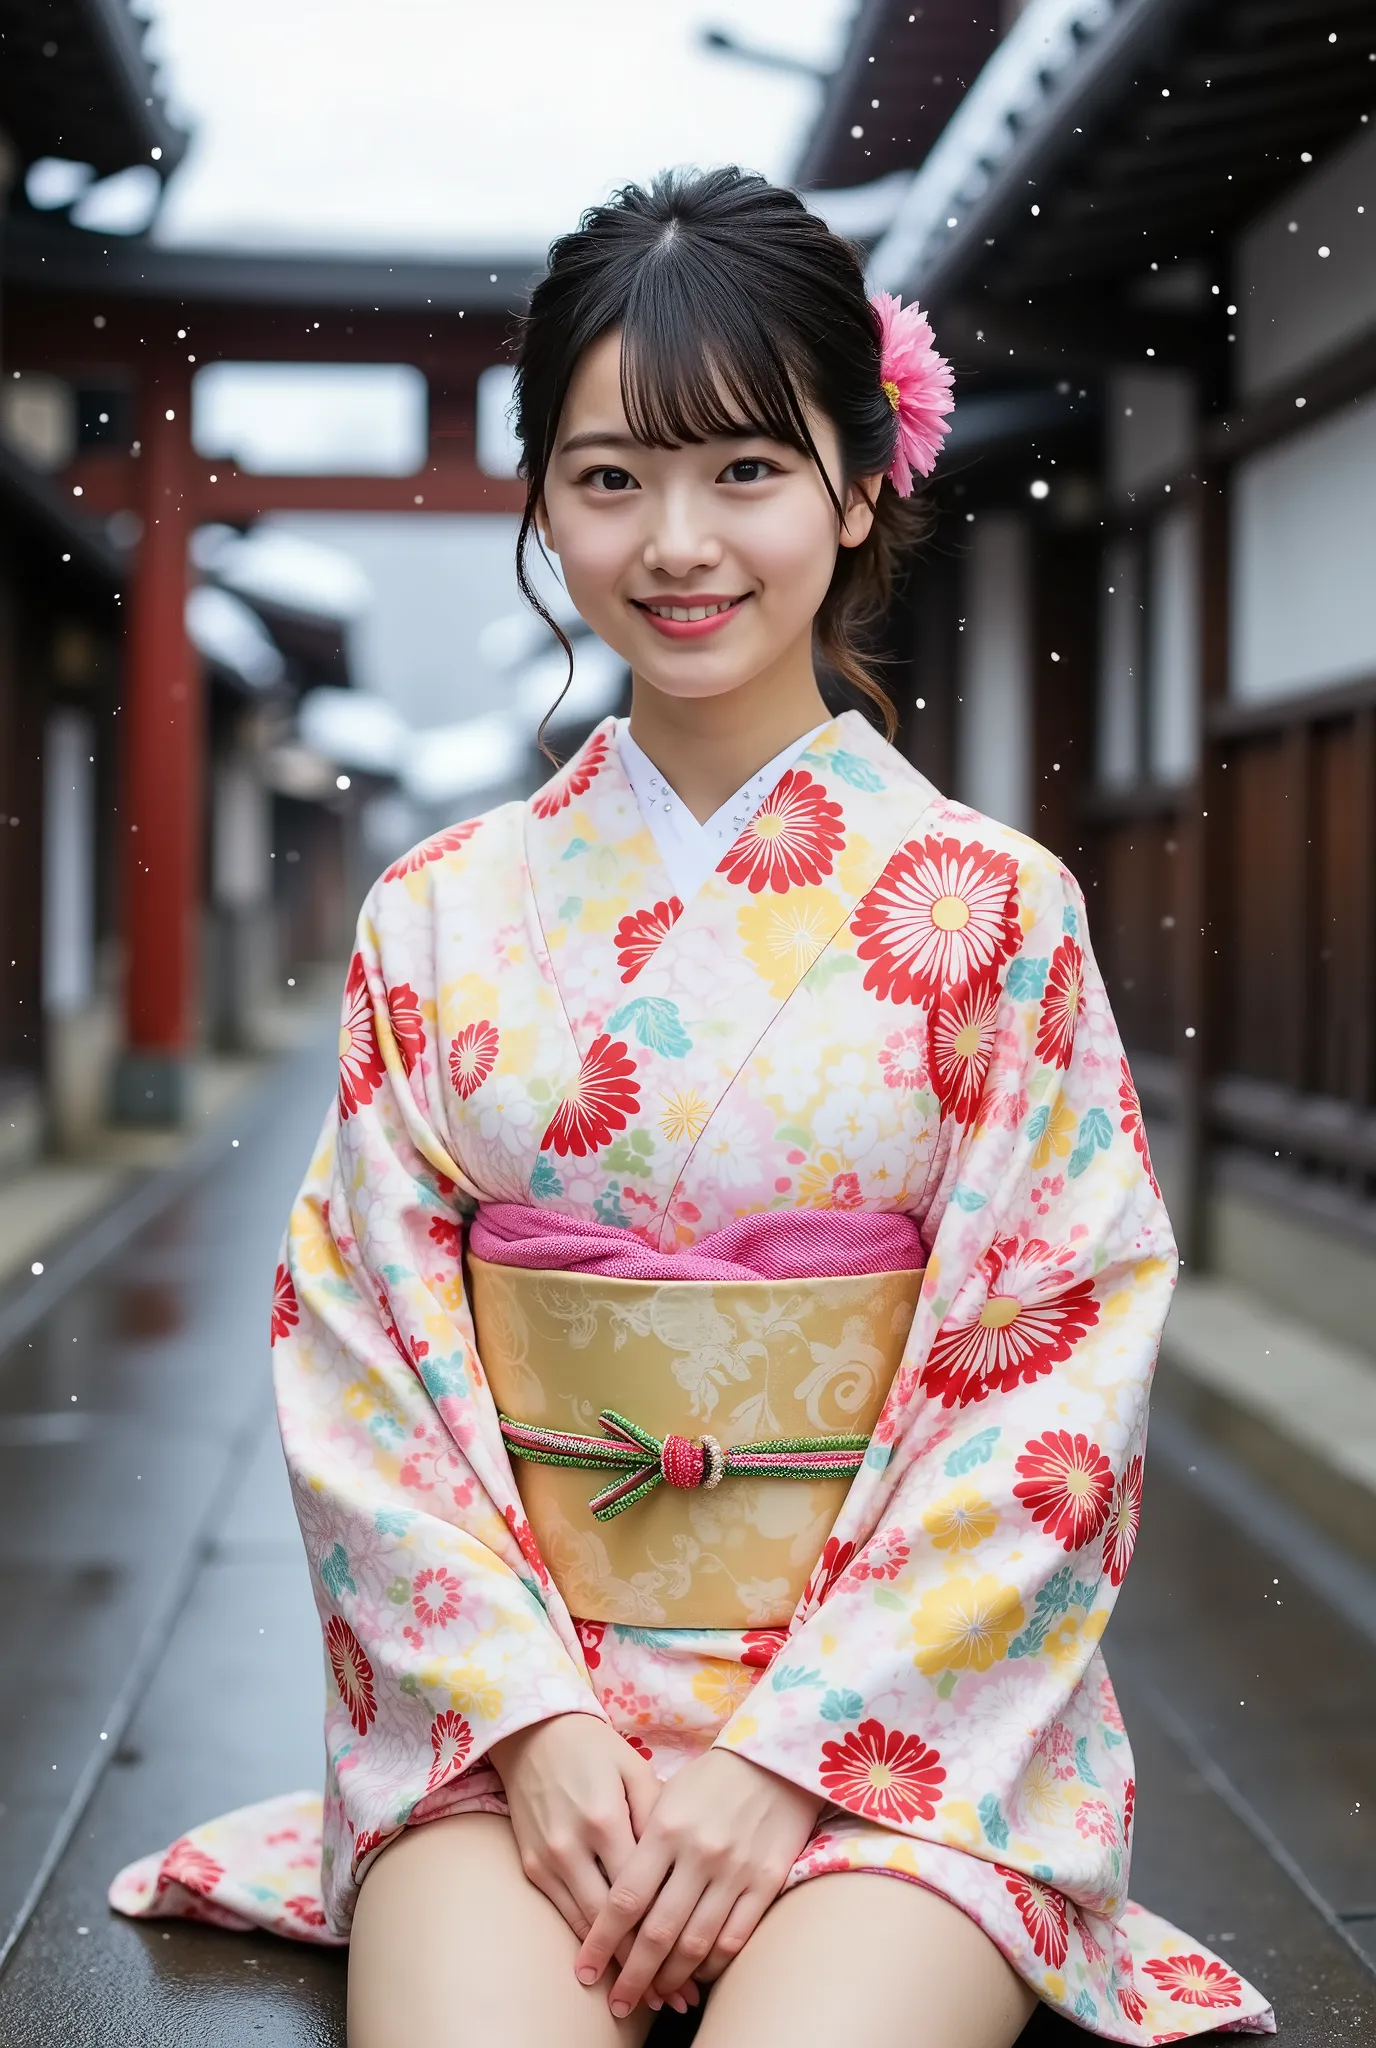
841,89
70,259
1019,118
119,36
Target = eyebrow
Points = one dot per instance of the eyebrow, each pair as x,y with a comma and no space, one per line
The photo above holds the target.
594,438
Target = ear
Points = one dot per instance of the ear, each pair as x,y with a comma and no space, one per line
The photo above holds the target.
861,500
543,527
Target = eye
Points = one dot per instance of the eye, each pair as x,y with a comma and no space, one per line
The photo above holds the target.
749,469
610,480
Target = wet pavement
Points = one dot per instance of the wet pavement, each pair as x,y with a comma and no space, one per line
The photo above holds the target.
152,1590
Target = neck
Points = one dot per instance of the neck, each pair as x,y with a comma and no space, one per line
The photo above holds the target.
707,747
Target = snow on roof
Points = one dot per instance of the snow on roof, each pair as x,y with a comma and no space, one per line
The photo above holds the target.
229,633
1015,91
453,761
268,566
354,729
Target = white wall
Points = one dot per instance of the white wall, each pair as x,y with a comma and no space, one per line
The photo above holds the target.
1295,306
1151,425
68,864
1304,559
1173,643
994,732
1118,726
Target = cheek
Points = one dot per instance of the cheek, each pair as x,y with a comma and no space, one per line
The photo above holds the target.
793,550
593,551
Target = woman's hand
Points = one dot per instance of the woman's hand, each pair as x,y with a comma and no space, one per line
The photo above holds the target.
579,1798
719,1842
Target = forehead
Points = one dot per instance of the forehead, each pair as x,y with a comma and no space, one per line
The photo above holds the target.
594,394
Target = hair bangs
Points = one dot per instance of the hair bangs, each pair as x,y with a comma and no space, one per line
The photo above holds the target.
695,369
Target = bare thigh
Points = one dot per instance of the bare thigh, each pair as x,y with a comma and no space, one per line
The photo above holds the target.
858,1956
453,1947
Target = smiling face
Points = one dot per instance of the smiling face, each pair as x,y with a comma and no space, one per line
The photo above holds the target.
703,565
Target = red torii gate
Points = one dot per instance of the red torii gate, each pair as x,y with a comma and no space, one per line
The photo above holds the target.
147,320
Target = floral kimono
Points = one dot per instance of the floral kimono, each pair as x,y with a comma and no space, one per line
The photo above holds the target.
879,1000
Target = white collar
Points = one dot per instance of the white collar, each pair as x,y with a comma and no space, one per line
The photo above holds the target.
690,849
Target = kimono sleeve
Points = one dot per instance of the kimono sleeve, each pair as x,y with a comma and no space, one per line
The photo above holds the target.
440,1632
942,1677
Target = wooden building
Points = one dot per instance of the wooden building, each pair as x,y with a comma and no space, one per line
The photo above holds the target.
1146,630
144,776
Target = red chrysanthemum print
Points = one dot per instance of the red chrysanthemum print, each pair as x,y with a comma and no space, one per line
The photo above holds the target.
1043,1915
1030,1319
1196,1980
794,837
286,1310
1129,1807
962,1031
472,1056
1134,2006
942,912
1067,1484
451,1738
1132,1121
590,1634
602,1100
360,1061
191,1866
882,1774
408,1027
1120,1537
447,1234
827,1570
353,1674
760,1646
1062,1001
639,936
434,848
305,1909
574,779
436,1596
883,1557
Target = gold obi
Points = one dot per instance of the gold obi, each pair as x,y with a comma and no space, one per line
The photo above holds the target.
687,1364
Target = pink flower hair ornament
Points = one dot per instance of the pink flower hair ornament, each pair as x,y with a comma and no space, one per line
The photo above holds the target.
918,385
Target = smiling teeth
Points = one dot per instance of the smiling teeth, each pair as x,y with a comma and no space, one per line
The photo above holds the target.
683,614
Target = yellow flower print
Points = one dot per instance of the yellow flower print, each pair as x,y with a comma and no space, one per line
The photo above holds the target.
960,1825
474,1693
829,1181
600,913
358,1404
1058,1136
313,1249
685,1115
966,1624
721,1686
1074,1637
855,867
782,935
961,1519
1041,1796
517,1046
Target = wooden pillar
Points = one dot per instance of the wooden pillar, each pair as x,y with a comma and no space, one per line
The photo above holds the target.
1204,840
162,744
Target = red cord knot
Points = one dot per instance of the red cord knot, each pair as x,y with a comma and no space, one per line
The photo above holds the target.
689,1465
683,1463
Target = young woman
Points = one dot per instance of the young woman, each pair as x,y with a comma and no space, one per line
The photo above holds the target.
713,1340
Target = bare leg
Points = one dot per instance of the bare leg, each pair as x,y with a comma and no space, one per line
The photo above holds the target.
860,1957
453,1946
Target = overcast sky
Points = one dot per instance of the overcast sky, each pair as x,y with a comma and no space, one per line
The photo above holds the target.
462,125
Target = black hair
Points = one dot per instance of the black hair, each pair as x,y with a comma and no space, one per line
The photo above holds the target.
738,309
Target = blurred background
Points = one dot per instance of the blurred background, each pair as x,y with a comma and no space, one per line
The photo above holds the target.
259,631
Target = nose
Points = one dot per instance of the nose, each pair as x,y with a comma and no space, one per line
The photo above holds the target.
681,539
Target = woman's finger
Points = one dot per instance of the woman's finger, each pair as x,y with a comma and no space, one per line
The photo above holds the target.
660,1928
740,1923
624,1907
701,1933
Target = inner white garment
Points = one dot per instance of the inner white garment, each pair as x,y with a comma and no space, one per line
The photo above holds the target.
691,850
